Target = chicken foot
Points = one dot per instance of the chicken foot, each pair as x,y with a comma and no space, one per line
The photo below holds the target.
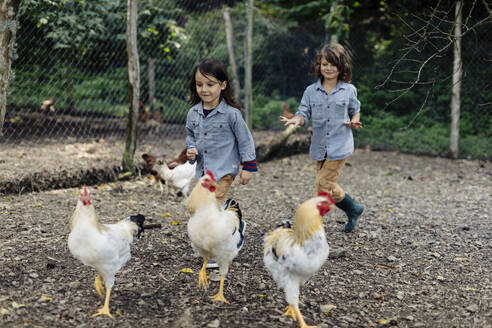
219,297
202,276
290,313
302,323
105,309
99,285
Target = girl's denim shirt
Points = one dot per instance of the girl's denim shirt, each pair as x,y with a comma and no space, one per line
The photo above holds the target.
223,140
331,139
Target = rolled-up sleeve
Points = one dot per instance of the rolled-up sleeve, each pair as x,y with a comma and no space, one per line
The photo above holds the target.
354,103
305,108
244,138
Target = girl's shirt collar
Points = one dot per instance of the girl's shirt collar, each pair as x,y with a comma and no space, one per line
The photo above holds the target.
220,108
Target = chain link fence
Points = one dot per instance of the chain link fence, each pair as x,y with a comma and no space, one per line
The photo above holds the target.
70,71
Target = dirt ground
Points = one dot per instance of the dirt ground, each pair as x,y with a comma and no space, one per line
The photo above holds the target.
421,255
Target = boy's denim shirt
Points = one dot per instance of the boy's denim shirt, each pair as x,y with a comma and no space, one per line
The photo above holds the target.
223,139
329,112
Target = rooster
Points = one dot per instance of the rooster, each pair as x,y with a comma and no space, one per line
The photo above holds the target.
294,254
215,232
178,173
105,247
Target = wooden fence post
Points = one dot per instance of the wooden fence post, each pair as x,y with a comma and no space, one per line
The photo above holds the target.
133,85
248,63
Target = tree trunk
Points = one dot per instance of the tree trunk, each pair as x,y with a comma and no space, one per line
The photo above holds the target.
8,28
133,84
151,71
232,58
457,73
248,63
333,35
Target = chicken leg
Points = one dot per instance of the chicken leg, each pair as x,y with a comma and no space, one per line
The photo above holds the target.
105,309
290,313
219,297
99,285
302,323
202,276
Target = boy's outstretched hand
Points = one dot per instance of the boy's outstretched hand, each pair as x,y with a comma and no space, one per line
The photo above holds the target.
244,177
354,125
296,121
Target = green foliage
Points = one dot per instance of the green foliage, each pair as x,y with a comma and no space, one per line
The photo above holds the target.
387,132
90,37
70,24
267,112
159,30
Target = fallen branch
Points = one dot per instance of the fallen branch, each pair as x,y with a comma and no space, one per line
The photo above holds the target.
152,226
273,149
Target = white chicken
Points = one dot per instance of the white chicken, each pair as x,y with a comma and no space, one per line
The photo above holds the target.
293,255
105,247
178,173
215,232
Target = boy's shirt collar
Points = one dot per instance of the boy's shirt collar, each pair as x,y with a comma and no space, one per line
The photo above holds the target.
340,85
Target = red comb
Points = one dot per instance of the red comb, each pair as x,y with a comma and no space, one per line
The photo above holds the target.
327,195
210,174
85,196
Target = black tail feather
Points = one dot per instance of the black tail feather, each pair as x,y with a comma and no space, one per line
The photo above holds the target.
231,204
285,224
139,221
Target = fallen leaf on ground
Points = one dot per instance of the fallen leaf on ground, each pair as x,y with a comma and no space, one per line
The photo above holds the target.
16,305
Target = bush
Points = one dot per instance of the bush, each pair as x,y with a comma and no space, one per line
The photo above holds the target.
266,113
387,132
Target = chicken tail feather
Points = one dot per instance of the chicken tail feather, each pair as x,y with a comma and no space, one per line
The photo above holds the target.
232,205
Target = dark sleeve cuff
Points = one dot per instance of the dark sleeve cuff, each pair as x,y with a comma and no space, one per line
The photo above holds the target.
250,166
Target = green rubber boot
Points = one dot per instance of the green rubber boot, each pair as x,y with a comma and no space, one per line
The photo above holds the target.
353,210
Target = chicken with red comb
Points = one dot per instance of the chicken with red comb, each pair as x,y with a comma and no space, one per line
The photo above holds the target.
215,232
294,254
105,247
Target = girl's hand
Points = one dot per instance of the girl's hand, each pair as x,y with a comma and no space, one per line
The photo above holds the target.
354,124
296,121
191,153
244,177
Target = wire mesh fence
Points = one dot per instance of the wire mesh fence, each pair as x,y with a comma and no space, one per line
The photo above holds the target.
70,71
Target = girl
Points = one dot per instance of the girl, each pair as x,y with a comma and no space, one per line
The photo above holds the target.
216,134
332,104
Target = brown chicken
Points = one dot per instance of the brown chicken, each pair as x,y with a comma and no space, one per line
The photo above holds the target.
177,172
287,113
48,105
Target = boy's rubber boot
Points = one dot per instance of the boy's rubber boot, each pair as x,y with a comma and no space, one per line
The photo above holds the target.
353,210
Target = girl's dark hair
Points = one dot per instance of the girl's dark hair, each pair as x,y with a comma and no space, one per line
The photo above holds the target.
336,55
217,69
